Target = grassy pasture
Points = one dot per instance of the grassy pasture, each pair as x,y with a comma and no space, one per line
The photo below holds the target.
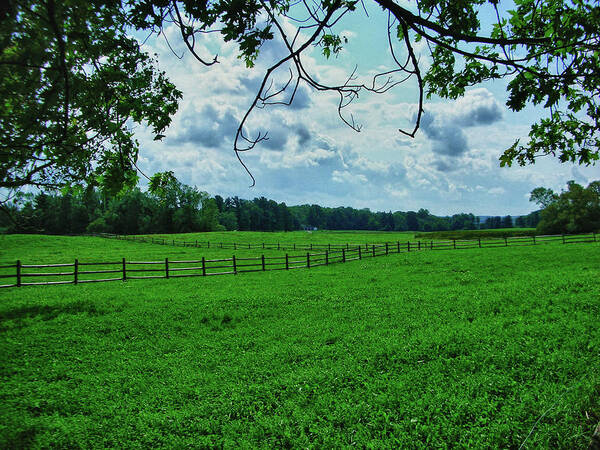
291,237
40,249
48,249
476,234
429,349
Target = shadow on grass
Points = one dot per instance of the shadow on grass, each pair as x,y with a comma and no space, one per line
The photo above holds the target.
19,440
46,312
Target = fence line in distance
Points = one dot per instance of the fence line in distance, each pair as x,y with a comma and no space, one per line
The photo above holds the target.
78,272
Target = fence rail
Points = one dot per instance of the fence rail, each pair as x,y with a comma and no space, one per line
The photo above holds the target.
81,272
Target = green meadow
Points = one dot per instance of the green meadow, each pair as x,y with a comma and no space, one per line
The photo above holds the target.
288,238
483,348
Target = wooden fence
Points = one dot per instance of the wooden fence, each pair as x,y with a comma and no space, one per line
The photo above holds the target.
92,272
432,245
237,245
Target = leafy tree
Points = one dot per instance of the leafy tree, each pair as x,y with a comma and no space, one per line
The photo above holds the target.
547,50
531,220
180,205
315,217
412,222
520,222
493,222
71,81
400,221
462,222
228,220
543,196
507,222
219,202
72,78
576,210
209,216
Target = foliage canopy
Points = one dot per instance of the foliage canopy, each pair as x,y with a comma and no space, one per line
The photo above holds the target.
576,210
73,79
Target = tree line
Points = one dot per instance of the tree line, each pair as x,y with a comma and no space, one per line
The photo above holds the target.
169,206
574,210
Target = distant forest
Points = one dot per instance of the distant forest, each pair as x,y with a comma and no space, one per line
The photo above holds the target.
183,209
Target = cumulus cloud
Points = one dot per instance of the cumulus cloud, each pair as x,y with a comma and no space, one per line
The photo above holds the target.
345,176
311,157
448,139
445,123
301,99
477,107
443,165
207,127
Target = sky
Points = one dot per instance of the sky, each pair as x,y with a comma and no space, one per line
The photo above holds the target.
311,156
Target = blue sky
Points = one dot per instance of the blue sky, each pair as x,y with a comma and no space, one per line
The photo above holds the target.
451,166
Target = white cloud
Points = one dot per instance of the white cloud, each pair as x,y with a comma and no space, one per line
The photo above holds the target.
348,177
312,157
497,191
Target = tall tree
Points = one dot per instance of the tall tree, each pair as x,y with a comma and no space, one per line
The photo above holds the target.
71,82
507,222
575,210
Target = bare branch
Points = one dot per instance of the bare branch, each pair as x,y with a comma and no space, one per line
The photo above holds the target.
186,36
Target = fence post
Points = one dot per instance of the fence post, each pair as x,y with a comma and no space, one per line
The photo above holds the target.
75,265
124,270
386,249
373,248
207,244
326,257
359,254
287,262
563,237
454,242
408,246
234,266
431,245
479,240
173,242
18,273
505,241
343,255
234,246
294,246
419,244
248,246
311,246
203,266
308,259
166,267
196,243
263,262
398,242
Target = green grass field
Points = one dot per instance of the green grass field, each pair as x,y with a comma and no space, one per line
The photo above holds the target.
299,237
485,348
476,234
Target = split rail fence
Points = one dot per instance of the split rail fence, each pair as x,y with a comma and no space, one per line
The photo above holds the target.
92,272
